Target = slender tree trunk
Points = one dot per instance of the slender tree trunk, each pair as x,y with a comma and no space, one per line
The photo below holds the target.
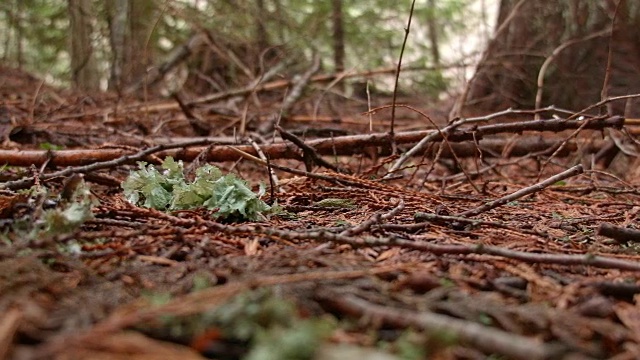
432,24
130,24
262,38
83,63
118,13
338,35
8,11
19,31
141,50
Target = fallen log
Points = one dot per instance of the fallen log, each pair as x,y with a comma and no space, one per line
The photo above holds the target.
489,148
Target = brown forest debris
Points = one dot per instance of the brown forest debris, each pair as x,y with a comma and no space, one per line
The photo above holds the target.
343,145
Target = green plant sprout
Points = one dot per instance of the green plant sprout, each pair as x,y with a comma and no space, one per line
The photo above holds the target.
169,190
334,202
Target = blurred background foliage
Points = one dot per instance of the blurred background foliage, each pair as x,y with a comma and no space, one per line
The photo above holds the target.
37,35
215,45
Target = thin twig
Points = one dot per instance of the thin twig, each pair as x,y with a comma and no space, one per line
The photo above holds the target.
578,169
554,54
373,220
274,182
395,86
424,246
603,102
32,106
607,73
458,249
294,95
564,143
458,220
310,156
446,141
420,146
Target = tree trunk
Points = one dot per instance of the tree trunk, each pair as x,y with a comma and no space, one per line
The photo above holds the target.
19,26
11,20
262,38
338,35
432,24
118,13
141,42
84,67
507,75
130,26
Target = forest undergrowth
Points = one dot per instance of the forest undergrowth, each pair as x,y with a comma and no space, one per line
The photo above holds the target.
508,235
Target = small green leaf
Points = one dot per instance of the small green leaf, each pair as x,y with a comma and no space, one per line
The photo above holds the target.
49,146
334,202
557,216
485,319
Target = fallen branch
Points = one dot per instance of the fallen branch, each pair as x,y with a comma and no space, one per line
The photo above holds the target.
578,169
309,155
455,134
456,222
299,84
458,249
339,146
139,311
373,220
618,233
123,159
279,84
424,246
488,339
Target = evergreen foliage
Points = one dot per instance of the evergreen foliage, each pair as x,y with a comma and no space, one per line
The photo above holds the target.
38,30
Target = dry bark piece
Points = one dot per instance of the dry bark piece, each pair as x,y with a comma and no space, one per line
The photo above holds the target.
8,201
126,345
419,282
597,306
9,323
618,233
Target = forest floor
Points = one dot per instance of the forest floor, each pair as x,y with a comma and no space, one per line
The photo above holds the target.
354,266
